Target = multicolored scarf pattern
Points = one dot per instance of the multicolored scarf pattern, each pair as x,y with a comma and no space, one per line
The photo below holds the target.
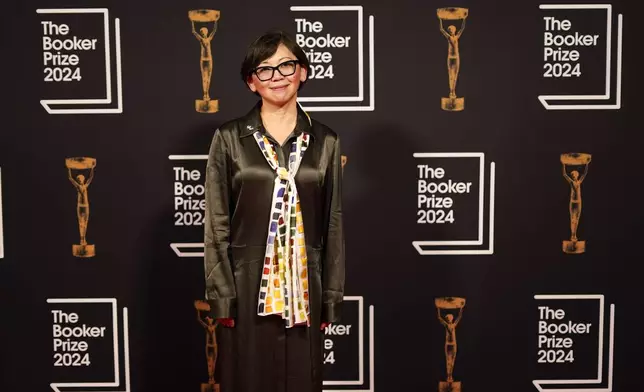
284,285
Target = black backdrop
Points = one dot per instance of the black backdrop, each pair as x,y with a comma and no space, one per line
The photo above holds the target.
133,223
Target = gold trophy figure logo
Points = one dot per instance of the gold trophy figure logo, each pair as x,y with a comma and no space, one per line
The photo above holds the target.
445,307
81,183
204,36
572,164
447,15
211,345
343,159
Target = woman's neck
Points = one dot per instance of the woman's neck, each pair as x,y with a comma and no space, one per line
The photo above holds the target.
277,115
279,121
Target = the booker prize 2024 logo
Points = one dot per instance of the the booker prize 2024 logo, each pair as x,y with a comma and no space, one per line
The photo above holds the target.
189,204
451,203
575,36
333,38
349,349
80,171
571,343
90,347
80,56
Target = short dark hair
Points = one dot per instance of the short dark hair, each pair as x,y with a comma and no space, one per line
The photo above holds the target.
265,46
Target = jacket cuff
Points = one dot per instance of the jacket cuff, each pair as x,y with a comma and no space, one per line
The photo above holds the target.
331,312
223,308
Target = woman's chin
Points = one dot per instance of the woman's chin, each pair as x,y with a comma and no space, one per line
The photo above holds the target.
279,99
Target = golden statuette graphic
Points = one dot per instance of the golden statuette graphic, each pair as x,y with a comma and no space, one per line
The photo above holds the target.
446,306
211,345
81,183
204,36
446,15
572,163
344,159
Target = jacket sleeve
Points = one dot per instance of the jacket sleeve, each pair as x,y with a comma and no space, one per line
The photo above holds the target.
333,257
220,285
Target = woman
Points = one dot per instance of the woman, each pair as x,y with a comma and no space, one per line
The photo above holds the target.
274,243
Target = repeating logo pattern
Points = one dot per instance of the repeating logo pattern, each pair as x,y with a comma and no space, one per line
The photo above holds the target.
454,191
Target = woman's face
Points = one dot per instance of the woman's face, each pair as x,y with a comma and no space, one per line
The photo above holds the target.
279,89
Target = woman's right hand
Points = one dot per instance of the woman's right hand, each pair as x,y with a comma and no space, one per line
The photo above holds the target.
226,322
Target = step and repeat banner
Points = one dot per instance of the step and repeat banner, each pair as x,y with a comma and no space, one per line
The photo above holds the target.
491,162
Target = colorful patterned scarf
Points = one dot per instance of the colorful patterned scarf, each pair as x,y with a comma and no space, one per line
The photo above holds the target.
284,286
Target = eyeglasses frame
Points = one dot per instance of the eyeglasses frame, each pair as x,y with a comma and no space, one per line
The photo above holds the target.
275,68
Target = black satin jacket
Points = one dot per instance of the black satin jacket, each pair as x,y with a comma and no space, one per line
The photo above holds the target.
239,187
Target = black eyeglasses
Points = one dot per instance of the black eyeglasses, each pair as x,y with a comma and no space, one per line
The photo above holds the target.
266,72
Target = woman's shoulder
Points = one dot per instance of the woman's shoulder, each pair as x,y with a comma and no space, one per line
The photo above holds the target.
242,124
224,135
229,129
229,126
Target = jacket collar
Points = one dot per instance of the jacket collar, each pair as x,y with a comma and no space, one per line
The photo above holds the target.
252,122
